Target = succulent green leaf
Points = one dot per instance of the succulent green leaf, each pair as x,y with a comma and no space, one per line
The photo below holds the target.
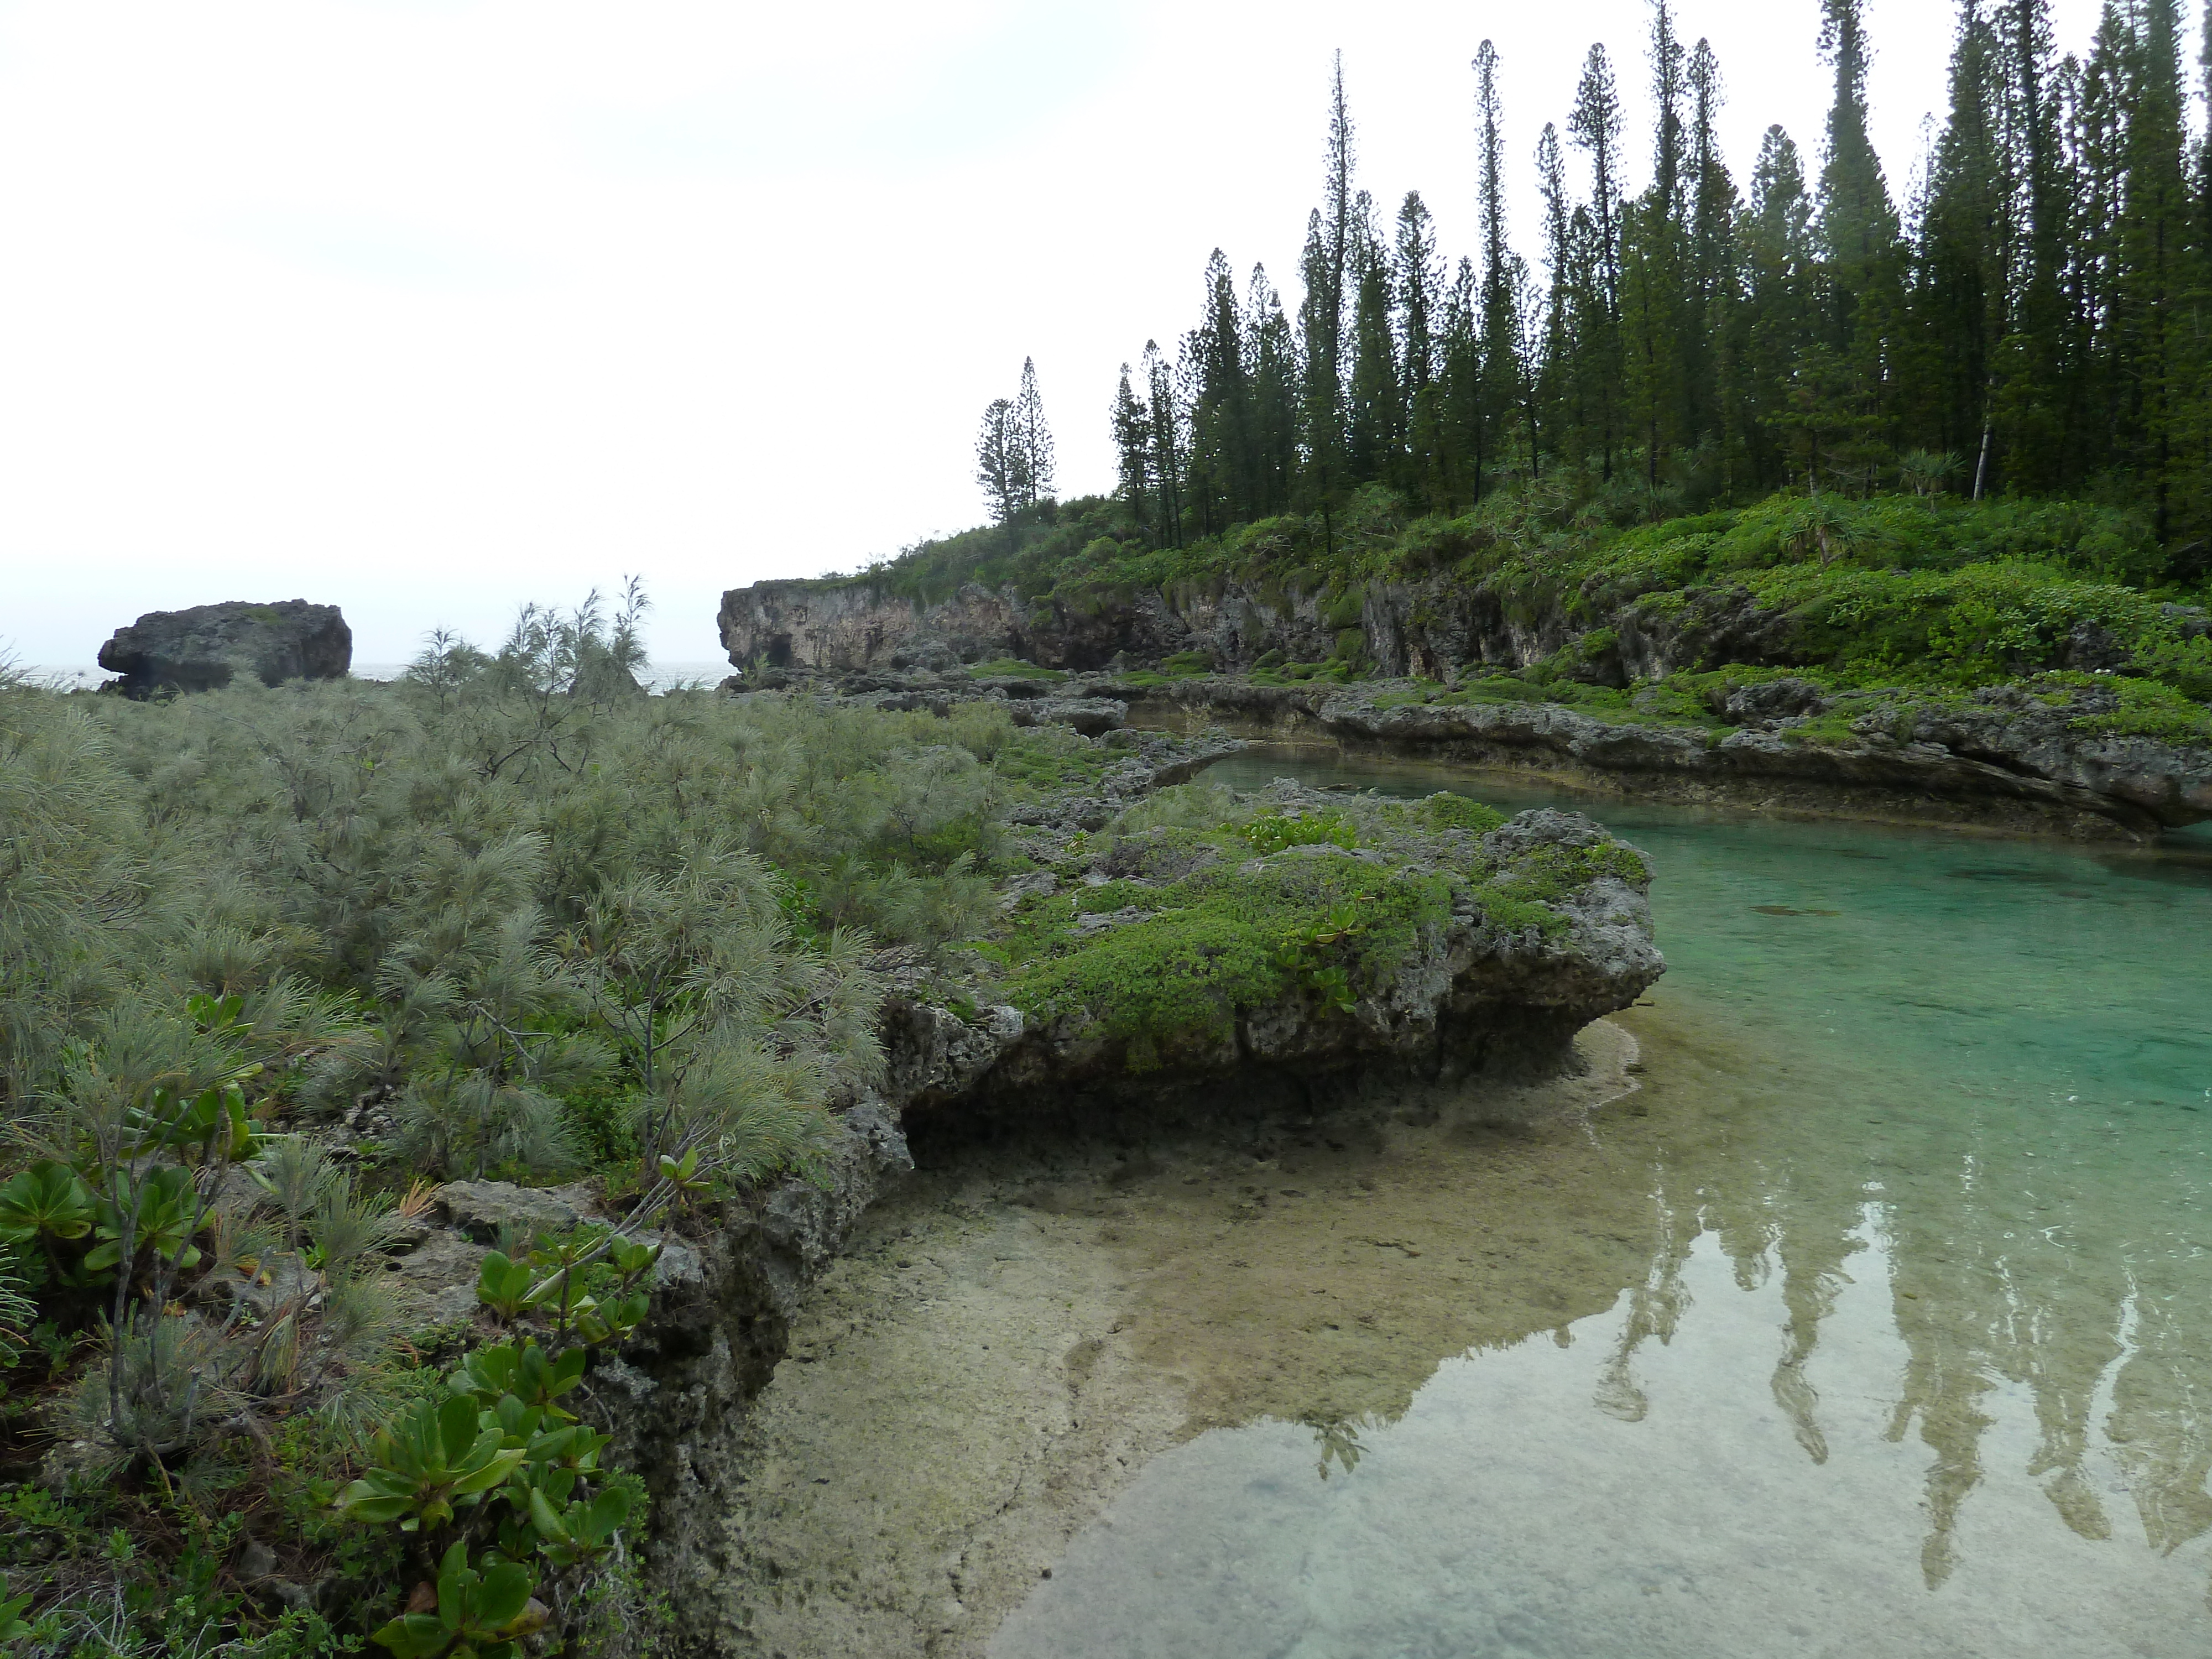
458,1430
504,1595
606,1513
542,1517
48,1198
415,1636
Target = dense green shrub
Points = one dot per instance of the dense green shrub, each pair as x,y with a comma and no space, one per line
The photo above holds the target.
539,923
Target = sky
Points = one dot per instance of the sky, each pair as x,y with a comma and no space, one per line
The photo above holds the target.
429,307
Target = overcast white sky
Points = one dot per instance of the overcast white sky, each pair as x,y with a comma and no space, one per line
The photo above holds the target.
425,307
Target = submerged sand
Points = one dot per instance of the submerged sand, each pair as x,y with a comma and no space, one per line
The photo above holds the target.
1014,1334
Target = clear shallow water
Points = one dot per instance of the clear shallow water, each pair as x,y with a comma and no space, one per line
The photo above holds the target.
1921,1361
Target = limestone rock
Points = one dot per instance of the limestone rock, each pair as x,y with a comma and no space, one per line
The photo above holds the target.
481,1208
212,645
1472,995
436,1283
2003,754
1089,715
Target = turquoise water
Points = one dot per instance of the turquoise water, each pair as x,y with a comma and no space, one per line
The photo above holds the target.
1921,1363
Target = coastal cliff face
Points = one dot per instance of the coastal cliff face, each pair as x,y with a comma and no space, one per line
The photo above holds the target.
2003,754
1436,629
2050,756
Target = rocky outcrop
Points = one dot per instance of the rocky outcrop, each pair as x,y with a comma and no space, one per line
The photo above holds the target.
1476,994
2003,754
212,645
1437,627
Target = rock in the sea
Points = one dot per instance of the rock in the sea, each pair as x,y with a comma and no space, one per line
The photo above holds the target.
212,645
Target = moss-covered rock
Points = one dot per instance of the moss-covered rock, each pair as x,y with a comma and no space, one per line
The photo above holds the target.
1297,931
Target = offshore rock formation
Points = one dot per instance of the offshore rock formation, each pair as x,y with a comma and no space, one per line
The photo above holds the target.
210,645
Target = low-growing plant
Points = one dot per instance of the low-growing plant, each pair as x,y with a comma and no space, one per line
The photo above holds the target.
483,1611
1273,832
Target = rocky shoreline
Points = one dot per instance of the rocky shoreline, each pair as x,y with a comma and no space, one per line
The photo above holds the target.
2052,755
1494,987
2003,757
2021,759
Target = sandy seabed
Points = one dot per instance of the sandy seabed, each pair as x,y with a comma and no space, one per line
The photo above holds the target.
1013,1337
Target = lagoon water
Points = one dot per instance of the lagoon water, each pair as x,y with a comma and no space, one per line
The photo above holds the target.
1920,1359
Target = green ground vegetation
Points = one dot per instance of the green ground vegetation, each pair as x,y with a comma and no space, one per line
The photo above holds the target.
273,963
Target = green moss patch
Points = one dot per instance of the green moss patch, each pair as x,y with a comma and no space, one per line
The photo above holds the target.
1225,941
1309,920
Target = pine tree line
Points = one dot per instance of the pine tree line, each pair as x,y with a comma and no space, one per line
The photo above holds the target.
2035,317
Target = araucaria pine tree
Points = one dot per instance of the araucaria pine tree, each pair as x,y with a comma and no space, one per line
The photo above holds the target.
1013,450
2032,320
1035,436
1002,461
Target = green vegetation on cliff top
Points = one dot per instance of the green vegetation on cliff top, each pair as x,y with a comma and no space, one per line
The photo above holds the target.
1931,591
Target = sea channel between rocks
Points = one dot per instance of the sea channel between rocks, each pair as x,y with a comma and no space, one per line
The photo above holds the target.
1853,1294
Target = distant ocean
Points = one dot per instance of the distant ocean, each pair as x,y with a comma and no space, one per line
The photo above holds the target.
658,676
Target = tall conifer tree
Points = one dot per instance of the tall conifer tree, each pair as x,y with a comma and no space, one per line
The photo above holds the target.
1421,314
1858,226
1502,378
1847,397
1132,424
1555,365
1038,477
1000,465
1274,379
1779,260
1668,86
2036,363
1594,126
1711,286
1329,264
1962,282
2155,232
1166,460
1374,441
1222,459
